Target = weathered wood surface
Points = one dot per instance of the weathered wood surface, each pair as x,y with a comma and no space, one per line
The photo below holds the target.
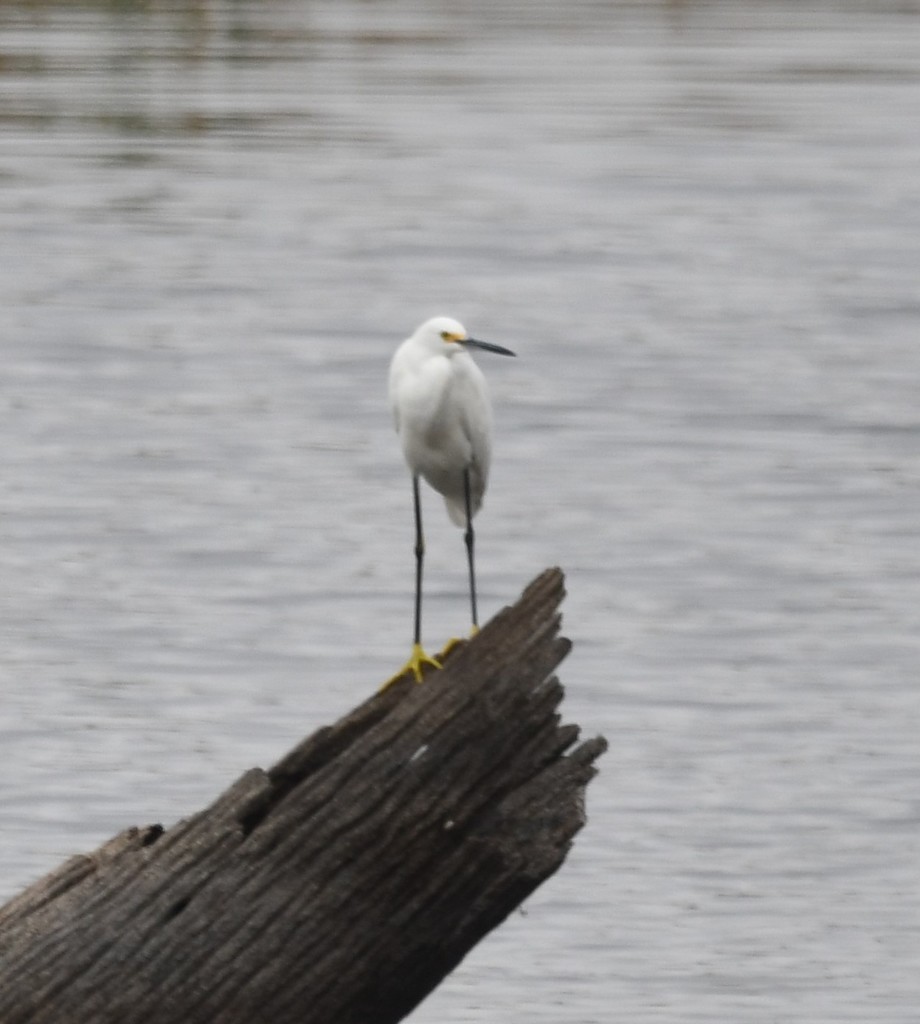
342,885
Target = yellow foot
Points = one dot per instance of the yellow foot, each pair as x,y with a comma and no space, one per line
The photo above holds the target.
456,641
417,659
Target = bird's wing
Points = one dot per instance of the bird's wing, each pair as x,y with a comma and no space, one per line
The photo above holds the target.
396,376
472,398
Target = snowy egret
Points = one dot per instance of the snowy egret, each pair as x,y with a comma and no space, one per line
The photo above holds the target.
443,417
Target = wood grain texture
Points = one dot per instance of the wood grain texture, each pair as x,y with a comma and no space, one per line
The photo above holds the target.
343,884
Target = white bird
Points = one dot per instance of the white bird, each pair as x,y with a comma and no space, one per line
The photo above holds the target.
441,408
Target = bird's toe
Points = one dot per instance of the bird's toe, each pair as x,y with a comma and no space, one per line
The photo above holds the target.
418,664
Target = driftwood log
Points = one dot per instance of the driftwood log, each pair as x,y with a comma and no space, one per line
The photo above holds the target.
341,886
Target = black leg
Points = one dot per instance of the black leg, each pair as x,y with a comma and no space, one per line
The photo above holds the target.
419,558
469,539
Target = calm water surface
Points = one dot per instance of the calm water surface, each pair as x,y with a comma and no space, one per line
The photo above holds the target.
699,227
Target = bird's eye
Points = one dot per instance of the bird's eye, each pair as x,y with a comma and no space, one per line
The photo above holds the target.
446,336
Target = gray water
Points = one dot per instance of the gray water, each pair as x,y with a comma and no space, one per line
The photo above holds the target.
698,224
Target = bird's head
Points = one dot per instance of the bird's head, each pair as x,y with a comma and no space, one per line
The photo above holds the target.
444,334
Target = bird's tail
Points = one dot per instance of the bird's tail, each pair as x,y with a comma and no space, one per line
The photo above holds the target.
456,509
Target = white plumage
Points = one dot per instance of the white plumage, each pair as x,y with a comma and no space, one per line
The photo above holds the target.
441,409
